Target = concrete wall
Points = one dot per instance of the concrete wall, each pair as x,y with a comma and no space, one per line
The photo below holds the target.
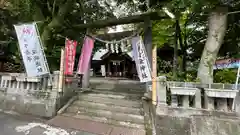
33,96
196,125
188,123
215,109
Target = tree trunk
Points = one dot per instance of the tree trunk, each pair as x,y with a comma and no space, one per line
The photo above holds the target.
217,29
56,22
175,57
184,59
183,47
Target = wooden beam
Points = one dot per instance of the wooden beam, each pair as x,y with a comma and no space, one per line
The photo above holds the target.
115,36
119,21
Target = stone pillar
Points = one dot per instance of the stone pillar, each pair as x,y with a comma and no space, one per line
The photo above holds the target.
148,46
174,100
55,80
209,103
44,83
37,86
198,100
21,85
53,102
28,85
86,77
162,90
186,101
222,104
236,103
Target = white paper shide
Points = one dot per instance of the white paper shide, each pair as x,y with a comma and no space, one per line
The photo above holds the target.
31,50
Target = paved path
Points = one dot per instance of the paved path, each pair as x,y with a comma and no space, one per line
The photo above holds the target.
93,127
26,125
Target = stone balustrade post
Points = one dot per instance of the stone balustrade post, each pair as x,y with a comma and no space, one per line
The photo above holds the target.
198,99
174,101
236,103
186,101
162,90
55,80
54,96
209,103
222,104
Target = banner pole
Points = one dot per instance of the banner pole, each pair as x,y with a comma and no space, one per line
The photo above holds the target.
154,75
61,74
44,56
238,72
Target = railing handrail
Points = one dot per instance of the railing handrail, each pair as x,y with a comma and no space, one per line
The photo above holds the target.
200,85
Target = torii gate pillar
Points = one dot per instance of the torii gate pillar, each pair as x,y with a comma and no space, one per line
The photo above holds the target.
151,54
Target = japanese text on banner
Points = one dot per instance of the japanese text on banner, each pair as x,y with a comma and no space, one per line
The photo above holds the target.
141,60
70,52
31,51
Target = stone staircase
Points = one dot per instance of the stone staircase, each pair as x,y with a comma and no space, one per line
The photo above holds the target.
118,107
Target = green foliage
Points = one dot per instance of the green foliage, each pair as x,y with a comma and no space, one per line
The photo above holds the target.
225,76
162,32
55,22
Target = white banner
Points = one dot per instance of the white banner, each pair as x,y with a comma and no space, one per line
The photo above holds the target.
141,60
31,50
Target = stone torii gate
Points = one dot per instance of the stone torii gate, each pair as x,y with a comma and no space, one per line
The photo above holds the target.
146,18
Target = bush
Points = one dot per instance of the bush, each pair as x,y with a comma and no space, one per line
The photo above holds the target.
225,76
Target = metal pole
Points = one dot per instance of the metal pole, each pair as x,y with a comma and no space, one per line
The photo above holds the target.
237,78
236,87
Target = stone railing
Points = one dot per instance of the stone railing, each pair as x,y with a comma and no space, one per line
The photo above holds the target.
33,95
216,96
18,81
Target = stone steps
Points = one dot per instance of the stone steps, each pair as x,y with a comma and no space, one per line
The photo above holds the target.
112,108
126,87
110,101
120,109
113,95
106,120
107,114
124,90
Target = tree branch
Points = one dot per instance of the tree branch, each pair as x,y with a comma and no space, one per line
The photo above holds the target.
200,39
54,7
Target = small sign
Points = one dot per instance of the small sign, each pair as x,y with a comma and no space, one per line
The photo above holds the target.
31,50
226,63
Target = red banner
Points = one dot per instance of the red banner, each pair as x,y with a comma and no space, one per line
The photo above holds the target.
85,55
70,52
